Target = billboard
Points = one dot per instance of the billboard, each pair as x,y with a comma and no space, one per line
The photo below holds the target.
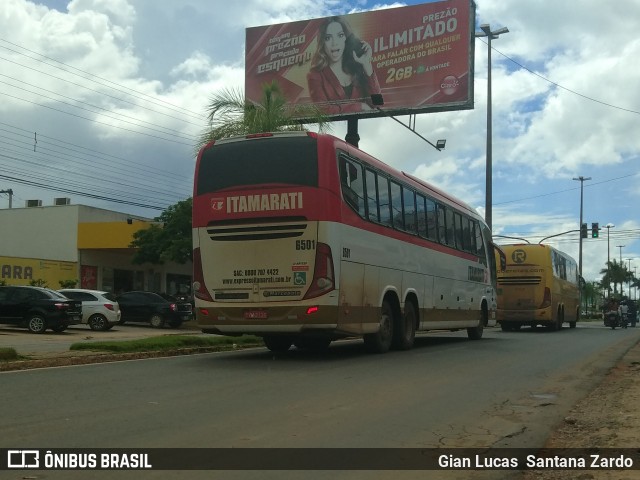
402,60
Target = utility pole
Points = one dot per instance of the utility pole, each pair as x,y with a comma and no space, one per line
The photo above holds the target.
491,35
581,179
629,279
10,192
621,265
609,227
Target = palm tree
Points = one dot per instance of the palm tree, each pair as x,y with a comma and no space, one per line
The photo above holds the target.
616,274
590,295
230,114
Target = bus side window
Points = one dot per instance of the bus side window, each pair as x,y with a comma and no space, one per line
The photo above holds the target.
432,220
441,225
409,204
459,232
421,215
451,227
470,235
352,185
480,248
396,206
372,196
383,200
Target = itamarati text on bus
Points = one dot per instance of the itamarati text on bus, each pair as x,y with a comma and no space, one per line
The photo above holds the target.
302,239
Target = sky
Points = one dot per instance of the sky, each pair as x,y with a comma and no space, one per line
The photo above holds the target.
101,102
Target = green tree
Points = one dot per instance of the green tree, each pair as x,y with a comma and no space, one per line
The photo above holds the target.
167,240
590,295
230,114
68,283
615,274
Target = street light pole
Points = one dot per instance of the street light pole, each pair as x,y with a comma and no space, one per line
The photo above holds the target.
491,35
608,227
621,281
582,180
629,279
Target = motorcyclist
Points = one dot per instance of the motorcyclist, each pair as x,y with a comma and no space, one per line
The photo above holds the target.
611,314
623,312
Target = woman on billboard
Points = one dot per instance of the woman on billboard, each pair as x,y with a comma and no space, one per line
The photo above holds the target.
341,79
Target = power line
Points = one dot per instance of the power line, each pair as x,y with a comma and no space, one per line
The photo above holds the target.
562,87
65,176
96,121
81,193
114,159
122,88
568,189
97,107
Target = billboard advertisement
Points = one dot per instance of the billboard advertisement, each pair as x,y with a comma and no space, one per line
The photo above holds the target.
401,60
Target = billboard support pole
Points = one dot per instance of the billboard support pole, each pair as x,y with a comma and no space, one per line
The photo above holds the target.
439,144
352,137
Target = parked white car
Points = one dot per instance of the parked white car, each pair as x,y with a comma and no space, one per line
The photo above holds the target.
100,310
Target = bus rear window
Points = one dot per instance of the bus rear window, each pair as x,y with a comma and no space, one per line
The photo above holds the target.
271,160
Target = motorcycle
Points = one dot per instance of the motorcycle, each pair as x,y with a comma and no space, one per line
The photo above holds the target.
624,321
612,319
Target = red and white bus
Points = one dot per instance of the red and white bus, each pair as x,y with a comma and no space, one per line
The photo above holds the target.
302,239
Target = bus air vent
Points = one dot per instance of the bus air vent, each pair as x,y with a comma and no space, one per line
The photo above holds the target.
257,229
520,280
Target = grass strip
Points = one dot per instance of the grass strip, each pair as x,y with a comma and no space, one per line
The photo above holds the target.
170,342
7,353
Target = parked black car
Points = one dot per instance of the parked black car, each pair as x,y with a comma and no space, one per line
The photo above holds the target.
151,308
38,308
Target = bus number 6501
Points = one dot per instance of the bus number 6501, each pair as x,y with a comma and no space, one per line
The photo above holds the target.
305,244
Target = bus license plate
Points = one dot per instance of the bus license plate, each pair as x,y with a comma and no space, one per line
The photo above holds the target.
255,314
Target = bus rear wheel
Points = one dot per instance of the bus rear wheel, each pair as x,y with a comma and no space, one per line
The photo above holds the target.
277,343
475,333
405,329
380,342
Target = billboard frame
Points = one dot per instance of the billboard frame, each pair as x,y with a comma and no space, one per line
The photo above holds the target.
466,102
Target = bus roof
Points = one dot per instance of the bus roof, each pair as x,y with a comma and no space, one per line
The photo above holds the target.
335,142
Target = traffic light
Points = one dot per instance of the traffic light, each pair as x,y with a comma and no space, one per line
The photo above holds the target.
583,231
594,230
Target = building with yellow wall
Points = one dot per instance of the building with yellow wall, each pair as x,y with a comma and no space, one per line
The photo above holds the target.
89,245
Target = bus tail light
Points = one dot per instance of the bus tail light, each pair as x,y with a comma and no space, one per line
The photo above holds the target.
199,288
259,135
546,301
323,274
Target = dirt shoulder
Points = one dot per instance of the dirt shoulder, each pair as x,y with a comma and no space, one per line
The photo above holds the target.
606,418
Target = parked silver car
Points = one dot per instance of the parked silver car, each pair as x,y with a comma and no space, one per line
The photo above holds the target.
100,310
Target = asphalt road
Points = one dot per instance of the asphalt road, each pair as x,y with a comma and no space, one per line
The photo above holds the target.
507,390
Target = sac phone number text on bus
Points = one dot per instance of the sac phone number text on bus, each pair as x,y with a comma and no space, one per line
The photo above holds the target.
255,272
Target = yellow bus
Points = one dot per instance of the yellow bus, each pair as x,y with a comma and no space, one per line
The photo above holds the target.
539,286
302,239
